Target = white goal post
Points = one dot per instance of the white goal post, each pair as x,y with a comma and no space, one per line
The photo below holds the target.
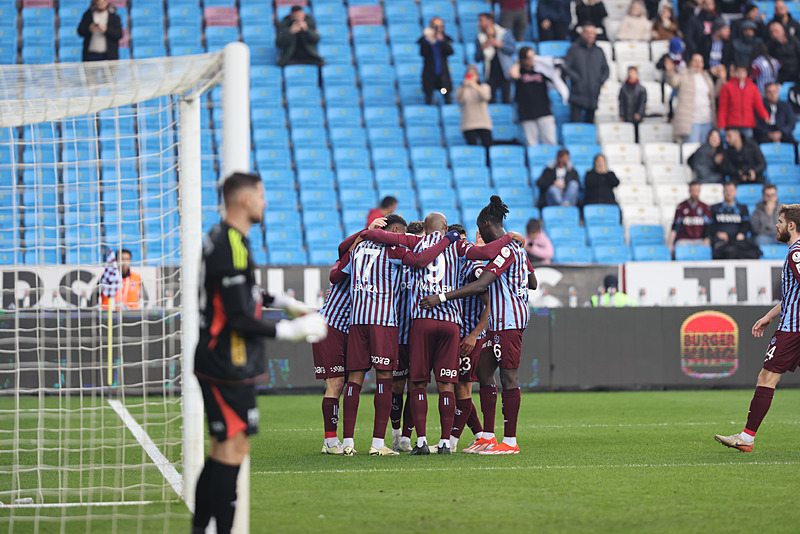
99,408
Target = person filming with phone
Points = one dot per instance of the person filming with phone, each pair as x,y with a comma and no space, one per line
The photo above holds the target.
474,97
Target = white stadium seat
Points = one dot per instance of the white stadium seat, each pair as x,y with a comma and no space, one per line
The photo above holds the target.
633,214
655,132
667,153
615,132
632,174
687,149
667,215
632,51
608,49
607,111
655,104
616,9
670,195
647,71
658,49
659,173
612,28
634,194
711,193
622,154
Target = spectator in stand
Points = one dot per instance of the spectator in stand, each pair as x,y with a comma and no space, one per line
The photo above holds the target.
129,295
779,127
742,43
765,216
533,101
495,48
635,26
696,114
474,97
708,161
590,12
764,69
739,103
435,47
794,100
297,38
586,66
665,25
786,49
632,100
514,16
699,27
752,14
785,18
388,205
554,17
730,224
559,184
691,219
101,29
731,7
599,183
718,49
538,245
652,8
744,162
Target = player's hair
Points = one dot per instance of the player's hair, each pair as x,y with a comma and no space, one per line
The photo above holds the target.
415,227
533,226
523,52
123,251
486,15
767,187
791,213
388,202
495,212
238,181
457,228
393,219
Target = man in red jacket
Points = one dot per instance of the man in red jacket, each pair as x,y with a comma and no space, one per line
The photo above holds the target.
739,102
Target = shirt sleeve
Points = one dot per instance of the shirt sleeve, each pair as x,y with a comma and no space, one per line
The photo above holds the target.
486,252
391,238
502,262
794,264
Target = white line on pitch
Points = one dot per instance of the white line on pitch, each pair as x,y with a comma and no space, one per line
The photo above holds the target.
522,468
585,425
167,469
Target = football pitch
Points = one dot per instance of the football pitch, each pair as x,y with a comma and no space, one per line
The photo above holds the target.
590,462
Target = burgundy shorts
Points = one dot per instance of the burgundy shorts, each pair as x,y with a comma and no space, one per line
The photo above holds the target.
371,345
506,347
468,370
434,345
329,354
402,363
783,353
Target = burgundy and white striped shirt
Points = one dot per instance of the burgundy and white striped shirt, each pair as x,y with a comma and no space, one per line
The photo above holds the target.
472,307
440,276
336,309
405,303
374,283
508,295
790,290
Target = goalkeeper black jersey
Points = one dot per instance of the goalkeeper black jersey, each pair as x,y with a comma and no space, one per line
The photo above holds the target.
231,345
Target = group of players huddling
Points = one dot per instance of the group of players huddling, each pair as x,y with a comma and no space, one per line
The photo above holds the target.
413,299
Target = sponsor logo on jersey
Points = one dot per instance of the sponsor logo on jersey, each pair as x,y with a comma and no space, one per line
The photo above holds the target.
505,252
796,256
217,427
252,417
380,360
709,345
452,373
499,261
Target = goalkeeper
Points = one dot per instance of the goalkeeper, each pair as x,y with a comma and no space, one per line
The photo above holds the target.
230,353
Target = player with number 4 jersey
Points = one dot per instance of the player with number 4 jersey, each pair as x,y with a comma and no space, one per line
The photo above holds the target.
507,277
783,353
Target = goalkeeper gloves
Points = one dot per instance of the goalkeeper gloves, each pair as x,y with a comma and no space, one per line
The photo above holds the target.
453,236
293,307
310,327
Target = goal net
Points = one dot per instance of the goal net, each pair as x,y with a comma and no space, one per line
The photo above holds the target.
100,423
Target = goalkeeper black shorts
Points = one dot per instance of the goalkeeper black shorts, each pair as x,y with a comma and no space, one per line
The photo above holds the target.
230,409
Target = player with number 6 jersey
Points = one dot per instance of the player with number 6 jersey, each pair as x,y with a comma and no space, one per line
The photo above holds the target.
508,277
783,352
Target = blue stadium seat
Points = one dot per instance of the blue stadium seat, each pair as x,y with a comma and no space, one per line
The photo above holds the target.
303,96
421,116
373,54
309,138
777,251
38,54
355,179
306,117
541,154
258,35
560,216
281,217
273,158
380,94
268,117
402,13
301,75
437,199
411,94
406,198
780,153
749,193
404,31
390,157
362,198
572,254
336,55
646,234
554,48
316,178
326,256
386,136
333,33
148,35
606,235
270,138
327,218
351,158
601,214
611,253
507,156
789,193
779,174
397,178
353,137
428,156
341,95
369,35
339,75
578,133
517,197
474,197
405,52
509,176
312,158
281,198
567,235
651,252
584,154
423,136
41,17
287,256
451,114
316,199
411,69
444,10
331,13
468,156
344,117
477,176
692,253
426,177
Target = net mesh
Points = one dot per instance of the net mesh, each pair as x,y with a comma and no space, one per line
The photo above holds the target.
90,399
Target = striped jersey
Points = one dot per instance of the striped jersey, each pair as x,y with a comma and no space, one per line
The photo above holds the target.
336,309
374,283
472,307
440,276
405,303
790,291
508,295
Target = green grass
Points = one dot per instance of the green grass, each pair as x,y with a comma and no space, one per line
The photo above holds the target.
590,462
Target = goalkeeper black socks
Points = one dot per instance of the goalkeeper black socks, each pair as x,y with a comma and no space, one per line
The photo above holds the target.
223,481
202,498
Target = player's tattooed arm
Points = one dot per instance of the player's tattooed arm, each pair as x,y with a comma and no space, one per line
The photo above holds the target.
485,279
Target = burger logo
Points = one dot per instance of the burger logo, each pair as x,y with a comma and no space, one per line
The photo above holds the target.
709,345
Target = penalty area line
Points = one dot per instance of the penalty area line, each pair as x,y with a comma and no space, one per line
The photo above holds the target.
167,469
525,468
